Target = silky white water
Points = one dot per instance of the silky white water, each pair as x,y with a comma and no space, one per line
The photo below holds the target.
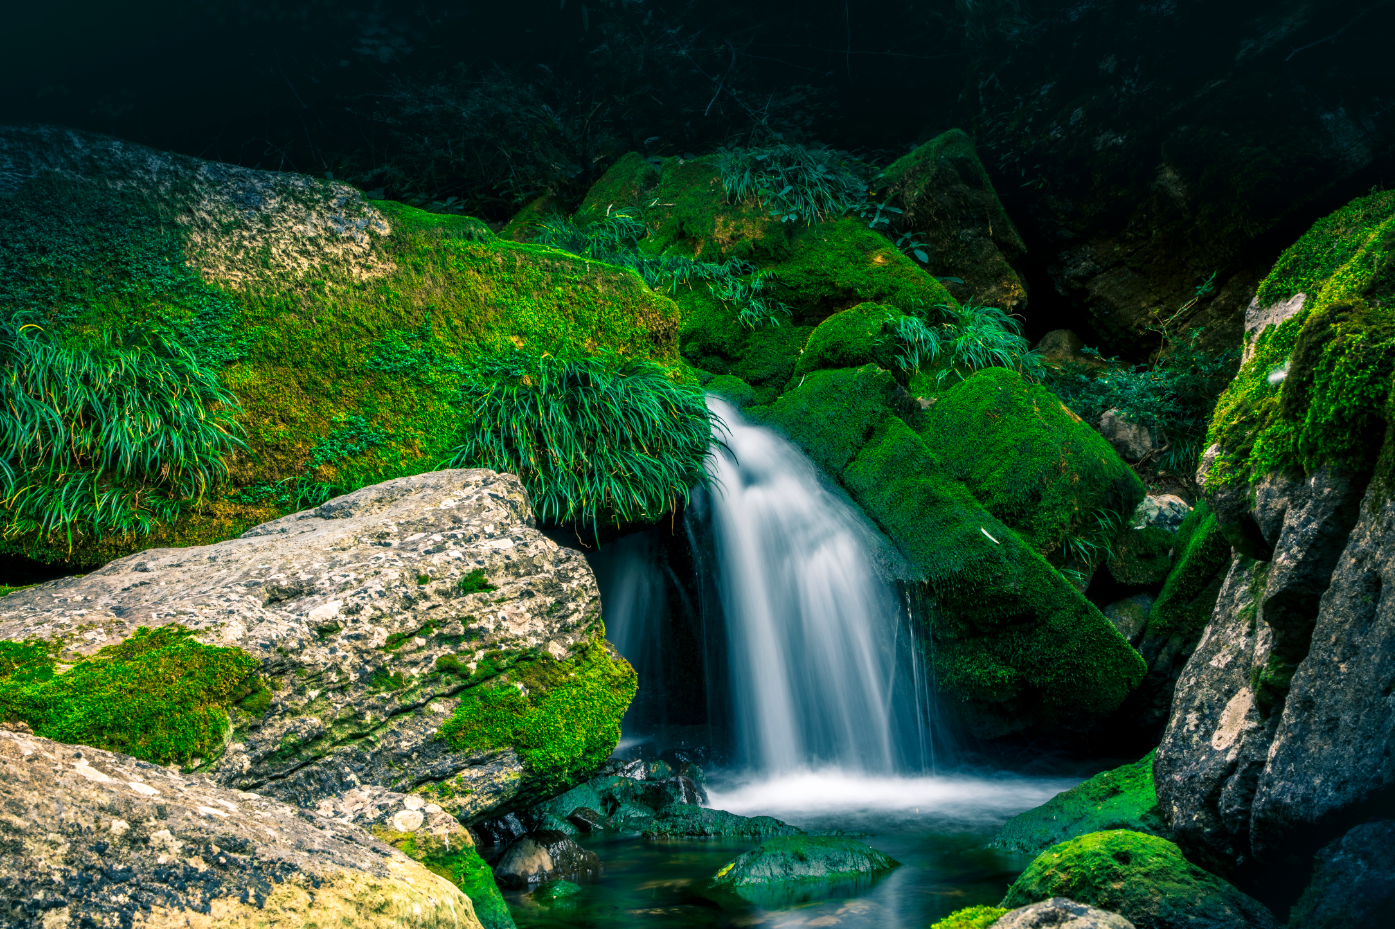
822,667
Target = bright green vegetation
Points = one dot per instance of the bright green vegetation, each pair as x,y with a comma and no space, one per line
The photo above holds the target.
1142,555
463,867
563,717
971,917
592,438
732,389
1188,597
794,182
791,858
714,340
860,335
474,582
1141,877
1013,640
1030,462
159,695
1174,397
1123,798
1317,389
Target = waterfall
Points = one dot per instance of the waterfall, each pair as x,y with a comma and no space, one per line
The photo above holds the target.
822,667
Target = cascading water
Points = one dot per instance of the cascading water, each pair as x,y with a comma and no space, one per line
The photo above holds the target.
822,666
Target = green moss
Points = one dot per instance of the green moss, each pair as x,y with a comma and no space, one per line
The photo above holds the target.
731,389
1141,877
971,917
563,717
464,868
688,213
1142,555
831,414
1123,798
1189,594
713,339
1316,388
851,338
621,187
474,582
158,696
1030,461
797,858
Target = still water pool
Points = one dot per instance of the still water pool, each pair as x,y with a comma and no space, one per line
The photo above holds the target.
935,826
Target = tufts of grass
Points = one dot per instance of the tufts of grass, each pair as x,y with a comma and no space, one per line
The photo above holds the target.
592,438
795,182
105,432
966,339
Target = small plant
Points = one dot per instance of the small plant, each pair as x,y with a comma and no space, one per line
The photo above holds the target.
592,438
423,579
797,183
965,339
474,583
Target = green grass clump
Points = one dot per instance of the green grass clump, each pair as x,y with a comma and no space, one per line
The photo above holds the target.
1141,877
795,182
1031,462
564,725
971,917
159,695
1123,798
592,439
1189,594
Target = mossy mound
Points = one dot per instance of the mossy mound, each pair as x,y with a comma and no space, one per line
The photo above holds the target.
971,917
1123,798
1315,388
791,868
1031,462
850,339
949,200
713,339
1015,644
1189,594
342,346
1142,556
158,696
1141,877
731,389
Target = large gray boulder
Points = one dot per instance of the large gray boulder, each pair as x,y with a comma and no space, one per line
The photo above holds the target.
1060,913
92,838
348,608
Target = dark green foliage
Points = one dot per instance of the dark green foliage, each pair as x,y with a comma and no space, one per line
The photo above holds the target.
1189,594
564,722
105,433
159,696
1141,877
796,182
967,338
474,582
354,437
599,438
1123,798
1032,464
1174,398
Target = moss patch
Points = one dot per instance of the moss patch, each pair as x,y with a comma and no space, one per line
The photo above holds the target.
713,339
971,917
1142,556
1189,594
1123,798
464,868
159,695
562,717
851,338
1141,877
797,858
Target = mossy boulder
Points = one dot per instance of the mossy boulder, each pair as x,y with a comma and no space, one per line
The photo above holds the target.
731,389
1314,388
337,326
1015,645
1122,798
680,820
851,338
1029,460
1141,877
1142,556
713,339
1189,593
791,869
949,201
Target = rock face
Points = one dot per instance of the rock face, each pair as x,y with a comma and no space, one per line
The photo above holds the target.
95,838
373,619
1060,913
1353,884
1131,440
545,856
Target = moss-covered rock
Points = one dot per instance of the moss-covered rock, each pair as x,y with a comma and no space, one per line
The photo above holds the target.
789,869
850,339
1189,594
971,917
680,820
1142,556
1123,798
950,202
713,339
1030,461
731,389
1015,645
1315,383
1141,877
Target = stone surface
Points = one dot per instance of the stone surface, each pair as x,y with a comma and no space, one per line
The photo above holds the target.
545,856
1130,616
348,607
791,869
686,821
1353,885
1131,440
1164,511
1060,913
95,838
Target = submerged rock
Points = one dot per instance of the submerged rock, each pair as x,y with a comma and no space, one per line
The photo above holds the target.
776,864
373,653
96,838
1060,913
1141,877
545,856
1123,798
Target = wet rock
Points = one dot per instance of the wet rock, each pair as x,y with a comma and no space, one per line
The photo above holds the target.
1353,884
545,856
1060,913
782,869
586,819
353,610
1163,511
96,838
1130,616
686,821
1141,877
1133,441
